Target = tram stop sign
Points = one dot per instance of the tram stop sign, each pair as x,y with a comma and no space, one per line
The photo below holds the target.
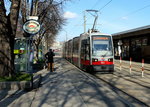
32,27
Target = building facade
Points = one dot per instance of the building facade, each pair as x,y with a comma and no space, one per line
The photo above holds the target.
134,43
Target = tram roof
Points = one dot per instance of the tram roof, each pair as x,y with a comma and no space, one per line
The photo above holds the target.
132,32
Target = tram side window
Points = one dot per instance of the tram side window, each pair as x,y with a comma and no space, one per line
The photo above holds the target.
87,51
76,47
83,48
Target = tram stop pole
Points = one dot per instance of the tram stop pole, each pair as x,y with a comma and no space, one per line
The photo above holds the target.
28,57
31,27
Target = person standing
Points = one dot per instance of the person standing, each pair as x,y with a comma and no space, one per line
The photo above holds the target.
50,60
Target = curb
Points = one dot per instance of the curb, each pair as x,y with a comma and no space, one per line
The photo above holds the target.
15,85
21,85
36,81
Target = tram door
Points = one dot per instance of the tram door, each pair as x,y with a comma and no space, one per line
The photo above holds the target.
85,54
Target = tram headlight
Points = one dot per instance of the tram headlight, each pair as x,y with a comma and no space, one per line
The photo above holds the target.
94,60
110,59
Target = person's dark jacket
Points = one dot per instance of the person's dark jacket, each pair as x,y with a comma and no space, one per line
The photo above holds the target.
49,56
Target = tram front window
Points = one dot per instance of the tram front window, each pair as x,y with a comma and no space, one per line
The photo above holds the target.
102,46
99,47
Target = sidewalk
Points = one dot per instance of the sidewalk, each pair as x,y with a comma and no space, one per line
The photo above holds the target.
66,87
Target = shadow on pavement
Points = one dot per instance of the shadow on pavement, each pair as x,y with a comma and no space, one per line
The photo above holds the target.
7,97
67,87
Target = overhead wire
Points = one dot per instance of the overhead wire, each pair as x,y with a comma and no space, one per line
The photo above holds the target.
131,13
105,5
96,3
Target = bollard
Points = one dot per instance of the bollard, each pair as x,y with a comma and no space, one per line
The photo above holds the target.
130,65
120,63
142,67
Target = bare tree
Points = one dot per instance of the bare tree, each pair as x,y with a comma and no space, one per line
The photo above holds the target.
4,42
8,26
50,17
49,12
24,10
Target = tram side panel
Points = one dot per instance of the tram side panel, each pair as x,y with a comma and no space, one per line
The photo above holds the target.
63,50
67,51
75,58
85,53
70,47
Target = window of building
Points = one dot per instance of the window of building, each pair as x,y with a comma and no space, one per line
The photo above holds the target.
144,41
138,42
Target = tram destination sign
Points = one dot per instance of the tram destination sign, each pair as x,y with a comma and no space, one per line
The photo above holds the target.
31,27
100,38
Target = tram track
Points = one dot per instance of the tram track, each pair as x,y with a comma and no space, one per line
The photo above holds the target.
124,96
115,89
122,87
136,81
98,85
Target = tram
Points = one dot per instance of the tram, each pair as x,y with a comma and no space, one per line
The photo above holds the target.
92,52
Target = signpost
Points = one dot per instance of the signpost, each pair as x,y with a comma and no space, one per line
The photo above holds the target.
31,27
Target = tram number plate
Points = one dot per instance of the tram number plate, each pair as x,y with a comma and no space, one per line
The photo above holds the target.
102,62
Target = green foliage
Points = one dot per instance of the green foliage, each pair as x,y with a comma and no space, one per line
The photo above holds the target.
40,60
17,77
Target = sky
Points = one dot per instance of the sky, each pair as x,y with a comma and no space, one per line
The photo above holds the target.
114,16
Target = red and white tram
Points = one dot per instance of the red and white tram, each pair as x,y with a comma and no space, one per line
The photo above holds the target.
91,52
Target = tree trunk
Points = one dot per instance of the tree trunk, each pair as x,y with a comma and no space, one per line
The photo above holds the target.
14,14
5,59
8,27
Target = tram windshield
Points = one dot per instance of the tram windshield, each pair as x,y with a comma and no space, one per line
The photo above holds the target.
102,45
